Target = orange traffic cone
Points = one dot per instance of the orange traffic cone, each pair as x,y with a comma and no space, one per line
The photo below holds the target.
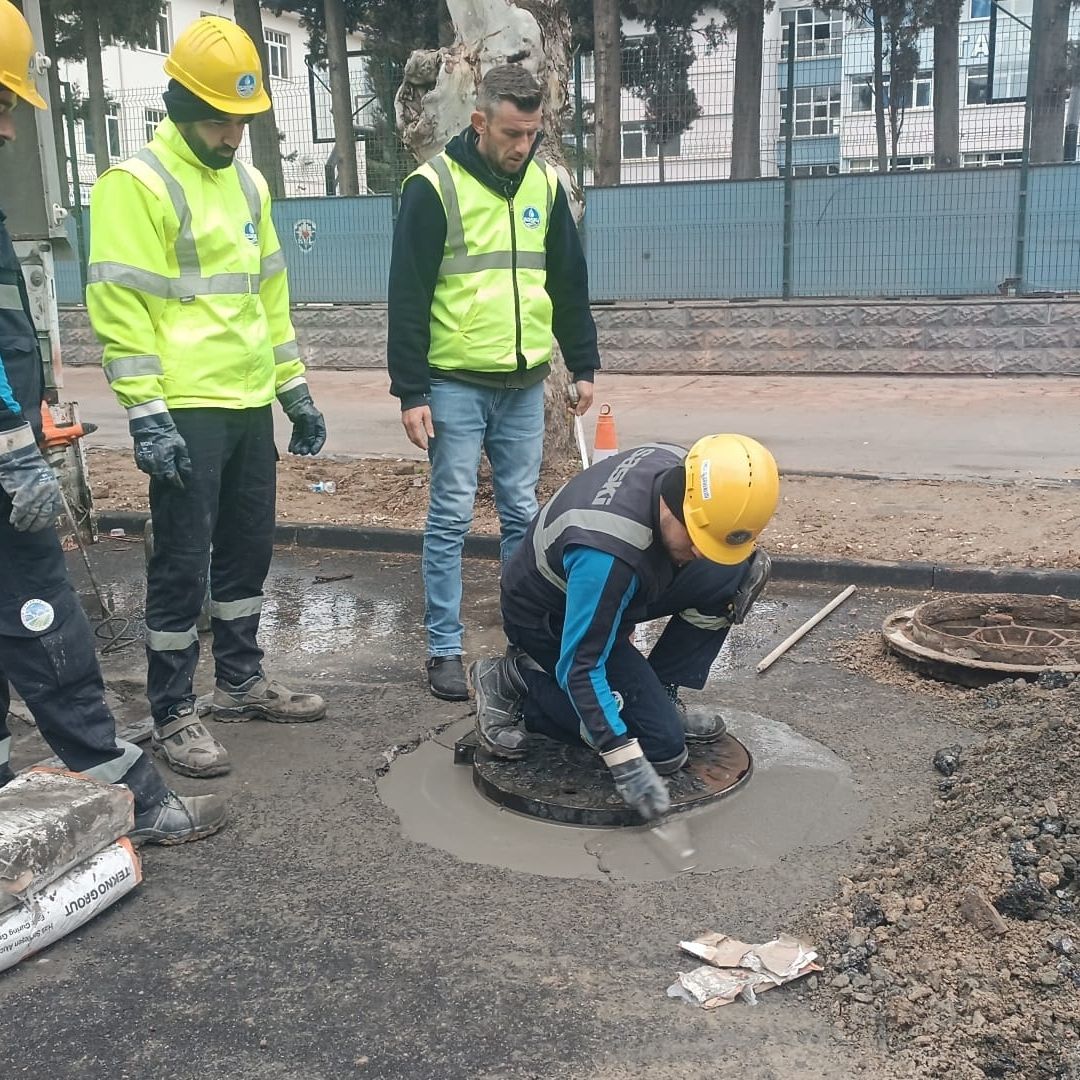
606,443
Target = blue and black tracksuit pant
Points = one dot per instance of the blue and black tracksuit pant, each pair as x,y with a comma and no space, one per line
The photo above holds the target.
698,602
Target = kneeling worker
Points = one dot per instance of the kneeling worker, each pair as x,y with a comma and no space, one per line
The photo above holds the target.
651,532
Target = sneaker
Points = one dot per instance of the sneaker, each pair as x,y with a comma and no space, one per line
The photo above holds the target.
699,724
446,678
265,699
179,819
184,744
499,689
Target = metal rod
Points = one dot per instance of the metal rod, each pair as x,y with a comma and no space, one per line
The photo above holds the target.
805,629
1025,172
789,166
579,120
76,186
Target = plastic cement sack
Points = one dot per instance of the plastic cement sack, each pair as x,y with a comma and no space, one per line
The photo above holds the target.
50,821
71,900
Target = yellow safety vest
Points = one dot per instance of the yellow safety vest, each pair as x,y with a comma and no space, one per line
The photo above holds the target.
490,305
187,288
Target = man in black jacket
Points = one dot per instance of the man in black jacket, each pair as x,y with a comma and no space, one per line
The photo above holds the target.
486,266
46,644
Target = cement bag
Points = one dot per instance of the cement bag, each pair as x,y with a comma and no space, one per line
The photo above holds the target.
71,900
51,821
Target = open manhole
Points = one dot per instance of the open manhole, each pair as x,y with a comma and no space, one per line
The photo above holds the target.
571,785
977,640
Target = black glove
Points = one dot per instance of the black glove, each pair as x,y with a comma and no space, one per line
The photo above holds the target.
758,569
28,480
637,781
309,427
160,450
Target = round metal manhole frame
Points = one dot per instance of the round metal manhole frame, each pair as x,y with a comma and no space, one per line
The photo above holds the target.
569,785
931,637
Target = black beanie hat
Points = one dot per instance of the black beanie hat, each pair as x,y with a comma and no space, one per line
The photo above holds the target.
184,107
673,490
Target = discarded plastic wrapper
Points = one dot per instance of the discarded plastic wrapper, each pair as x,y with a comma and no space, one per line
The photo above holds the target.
740,970
52,820
71,900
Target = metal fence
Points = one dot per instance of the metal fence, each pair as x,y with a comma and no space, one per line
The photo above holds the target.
861,211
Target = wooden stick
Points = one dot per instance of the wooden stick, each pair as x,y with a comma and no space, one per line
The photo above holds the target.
805,629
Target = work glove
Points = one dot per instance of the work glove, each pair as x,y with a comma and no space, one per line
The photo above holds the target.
160,450
28,480
309,427
637,781
754,580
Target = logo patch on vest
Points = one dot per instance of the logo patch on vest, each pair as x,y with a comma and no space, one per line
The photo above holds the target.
530,217
251,232
37,615
246,85
304,231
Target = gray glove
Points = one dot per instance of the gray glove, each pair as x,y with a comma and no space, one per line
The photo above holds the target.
160,450
637,781
309,427
28,480
758,569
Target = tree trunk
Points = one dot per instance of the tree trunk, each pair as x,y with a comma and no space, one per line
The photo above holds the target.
894,101
56,99
607,68
947,87
746,103
265,141
341,98
1049,78
437,97
879,92
95,121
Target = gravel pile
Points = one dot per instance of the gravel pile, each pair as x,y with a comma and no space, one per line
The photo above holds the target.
959,945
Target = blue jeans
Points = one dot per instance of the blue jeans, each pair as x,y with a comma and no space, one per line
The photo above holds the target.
509,426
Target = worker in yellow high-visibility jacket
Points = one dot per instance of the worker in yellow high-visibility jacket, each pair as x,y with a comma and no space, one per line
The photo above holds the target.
187,292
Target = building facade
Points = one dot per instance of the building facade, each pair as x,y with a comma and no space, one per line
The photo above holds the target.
134,82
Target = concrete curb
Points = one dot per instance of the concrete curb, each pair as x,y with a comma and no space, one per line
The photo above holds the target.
917,576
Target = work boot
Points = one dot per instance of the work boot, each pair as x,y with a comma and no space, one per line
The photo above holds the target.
265,699
699,724
446,678
499,688
184,744
672,765
179,819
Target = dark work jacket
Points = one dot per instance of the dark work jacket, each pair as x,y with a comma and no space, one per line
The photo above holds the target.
419,242
21,377
613,506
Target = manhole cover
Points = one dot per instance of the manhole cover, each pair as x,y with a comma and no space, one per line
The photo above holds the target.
571,785
976,640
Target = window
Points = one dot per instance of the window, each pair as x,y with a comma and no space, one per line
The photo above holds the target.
992,158
977,85
162,40
151,119
903,163
817,110
637,143
112,131
918,93
980,9
277,53
588,71
831,169
817,32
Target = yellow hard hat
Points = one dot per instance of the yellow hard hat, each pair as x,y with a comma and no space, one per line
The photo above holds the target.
16,52
732,488
217,61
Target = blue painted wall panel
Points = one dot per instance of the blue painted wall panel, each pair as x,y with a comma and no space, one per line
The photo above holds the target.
923,234
906,234
685,241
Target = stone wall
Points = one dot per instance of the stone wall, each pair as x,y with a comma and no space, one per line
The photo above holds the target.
944,337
